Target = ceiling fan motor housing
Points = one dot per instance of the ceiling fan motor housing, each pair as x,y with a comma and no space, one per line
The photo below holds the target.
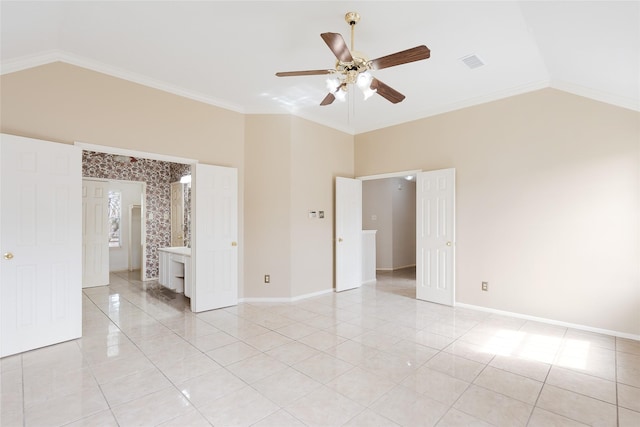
350,70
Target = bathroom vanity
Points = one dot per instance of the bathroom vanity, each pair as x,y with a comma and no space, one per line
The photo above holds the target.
175,269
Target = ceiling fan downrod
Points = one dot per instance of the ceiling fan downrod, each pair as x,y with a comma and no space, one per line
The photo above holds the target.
352,19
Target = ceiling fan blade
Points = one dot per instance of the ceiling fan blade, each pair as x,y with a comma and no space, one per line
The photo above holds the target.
303,73
387,92
338,46
328,99
417,53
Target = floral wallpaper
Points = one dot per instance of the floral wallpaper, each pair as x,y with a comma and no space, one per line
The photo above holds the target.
158,177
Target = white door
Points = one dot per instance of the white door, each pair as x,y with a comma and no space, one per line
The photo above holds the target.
95,233
214,237
177,214
435,240
348,237
40,242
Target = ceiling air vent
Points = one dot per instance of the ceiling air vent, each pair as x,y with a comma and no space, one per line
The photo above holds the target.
472,61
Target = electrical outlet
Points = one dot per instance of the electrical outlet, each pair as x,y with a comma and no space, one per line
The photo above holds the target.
485,286
267,278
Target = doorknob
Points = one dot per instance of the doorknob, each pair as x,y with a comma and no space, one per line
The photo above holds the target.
339,239
448,243
234,244
8,255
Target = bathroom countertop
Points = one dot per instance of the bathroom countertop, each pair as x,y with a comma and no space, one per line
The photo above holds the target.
181,250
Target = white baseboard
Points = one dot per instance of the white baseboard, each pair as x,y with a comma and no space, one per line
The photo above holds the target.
550,321
395,268
285,299
369,281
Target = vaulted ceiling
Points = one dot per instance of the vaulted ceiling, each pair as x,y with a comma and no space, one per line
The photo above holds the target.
227,53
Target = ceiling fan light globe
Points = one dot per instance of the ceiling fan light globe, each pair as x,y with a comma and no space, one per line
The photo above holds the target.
364,80
341,95
368,93
333,84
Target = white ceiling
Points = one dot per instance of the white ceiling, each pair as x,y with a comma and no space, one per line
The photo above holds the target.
226,53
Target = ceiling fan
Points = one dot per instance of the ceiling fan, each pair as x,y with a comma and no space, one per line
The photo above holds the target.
353,67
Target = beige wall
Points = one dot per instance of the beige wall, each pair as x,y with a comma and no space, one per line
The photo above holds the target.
267,204
63,103
319,154
291,164
547,202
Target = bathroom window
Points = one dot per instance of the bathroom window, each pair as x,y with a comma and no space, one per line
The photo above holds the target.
115,216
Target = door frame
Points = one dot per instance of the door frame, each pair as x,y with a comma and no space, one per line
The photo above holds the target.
172,159
146,155
402,174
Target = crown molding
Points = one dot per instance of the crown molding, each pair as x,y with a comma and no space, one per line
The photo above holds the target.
31,61
48,57
587,92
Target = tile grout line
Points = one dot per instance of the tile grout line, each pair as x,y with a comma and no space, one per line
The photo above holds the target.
150,362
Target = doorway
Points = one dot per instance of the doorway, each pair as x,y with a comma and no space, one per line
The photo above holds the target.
125,175
435,233
213,199
126,252
389,207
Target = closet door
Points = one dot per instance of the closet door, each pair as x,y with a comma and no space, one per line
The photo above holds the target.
348,234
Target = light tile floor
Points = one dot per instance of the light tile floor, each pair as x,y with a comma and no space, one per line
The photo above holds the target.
368,357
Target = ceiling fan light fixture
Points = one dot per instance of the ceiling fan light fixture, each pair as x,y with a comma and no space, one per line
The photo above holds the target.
364,83
364,80
341,94
368,93
333,83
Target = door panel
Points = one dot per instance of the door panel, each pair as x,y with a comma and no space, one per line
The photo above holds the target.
348,237
435,240
95,233
40,205
214,237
